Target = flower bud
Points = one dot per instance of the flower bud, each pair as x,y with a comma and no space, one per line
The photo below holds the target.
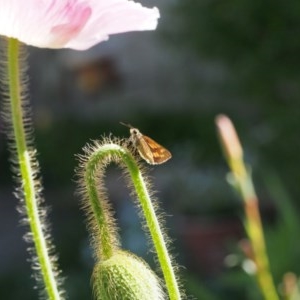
125,276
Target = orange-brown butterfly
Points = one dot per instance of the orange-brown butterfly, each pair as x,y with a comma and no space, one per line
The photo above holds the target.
152,152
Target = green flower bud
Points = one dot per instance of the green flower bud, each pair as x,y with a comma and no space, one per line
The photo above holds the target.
124,276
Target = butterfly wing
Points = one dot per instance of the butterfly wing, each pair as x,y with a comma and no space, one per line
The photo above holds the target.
154,152
144,150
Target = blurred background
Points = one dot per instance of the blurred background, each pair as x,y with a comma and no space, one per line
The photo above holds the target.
240,58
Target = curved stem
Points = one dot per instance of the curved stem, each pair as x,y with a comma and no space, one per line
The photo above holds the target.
26,163
101,216
115,152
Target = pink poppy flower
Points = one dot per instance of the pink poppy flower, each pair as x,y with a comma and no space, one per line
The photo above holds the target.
76,24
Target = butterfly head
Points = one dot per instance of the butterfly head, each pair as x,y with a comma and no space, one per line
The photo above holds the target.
134,132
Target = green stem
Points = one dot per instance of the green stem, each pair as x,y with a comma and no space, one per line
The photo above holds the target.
25,157
243,184
115,153
154,228
105,227
254,228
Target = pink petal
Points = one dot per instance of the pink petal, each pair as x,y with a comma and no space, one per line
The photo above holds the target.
77,24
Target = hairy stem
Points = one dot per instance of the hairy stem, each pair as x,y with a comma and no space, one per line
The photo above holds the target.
19,131
154,228
104,154
104,228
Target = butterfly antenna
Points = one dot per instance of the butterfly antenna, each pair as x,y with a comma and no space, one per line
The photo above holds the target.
127,125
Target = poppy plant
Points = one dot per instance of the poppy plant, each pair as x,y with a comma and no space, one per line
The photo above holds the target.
76,24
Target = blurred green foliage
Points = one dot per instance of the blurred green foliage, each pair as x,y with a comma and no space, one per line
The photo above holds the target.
257,40
256,45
